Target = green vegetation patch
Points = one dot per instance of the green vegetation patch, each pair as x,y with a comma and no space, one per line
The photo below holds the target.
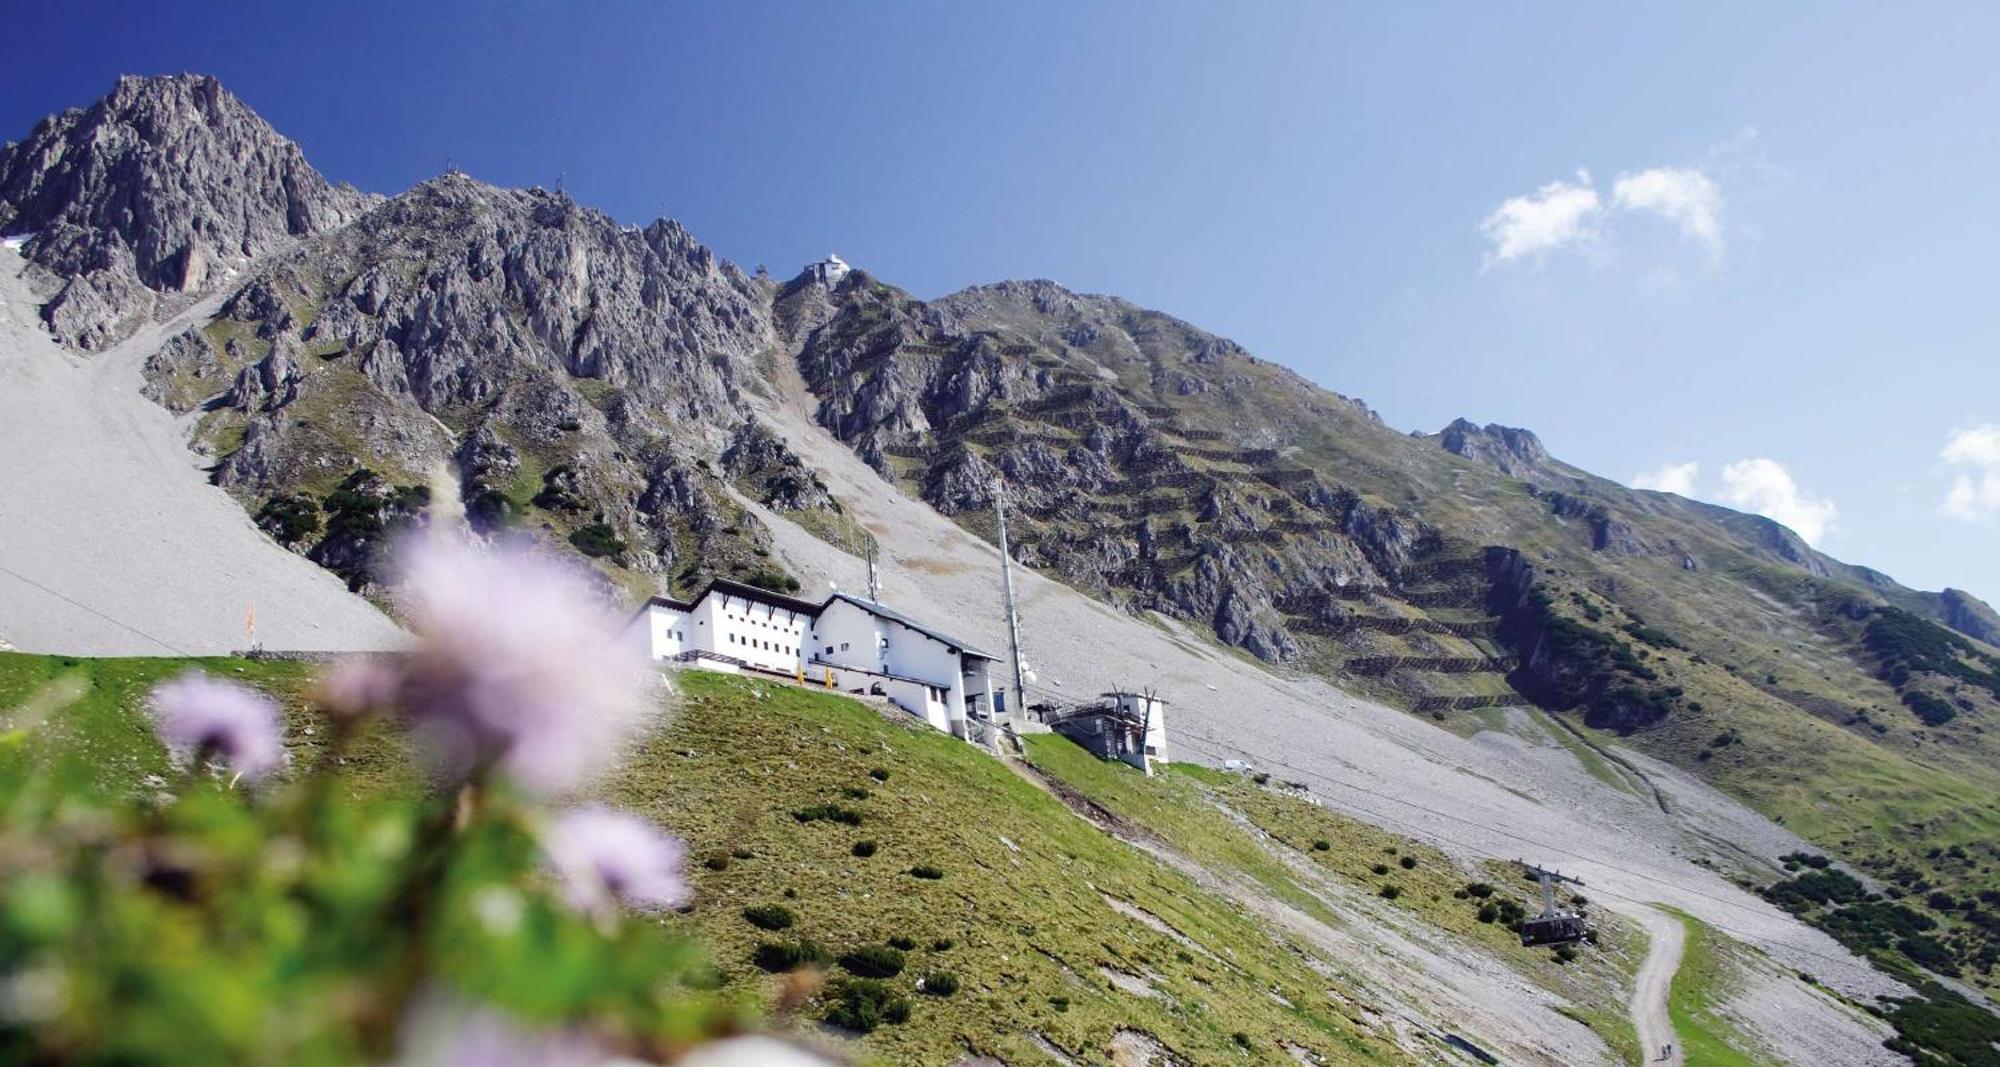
1702,983
1021,914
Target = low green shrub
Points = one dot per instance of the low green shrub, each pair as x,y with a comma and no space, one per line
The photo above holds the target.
781,956
768,916
863,1004
773,581
292,518
597,541
873,961
829,813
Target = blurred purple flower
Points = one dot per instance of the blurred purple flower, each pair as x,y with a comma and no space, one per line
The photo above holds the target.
359,686
518,664
448,1032
202,719
606,857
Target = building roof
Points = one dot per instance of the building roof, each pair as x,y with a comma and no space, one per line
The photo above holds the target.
1116,693
760,596
807,608
657,601
893,615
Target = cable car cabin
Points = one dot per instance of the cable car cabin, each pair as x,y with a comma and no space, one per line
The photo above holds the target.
1553,930
1552,927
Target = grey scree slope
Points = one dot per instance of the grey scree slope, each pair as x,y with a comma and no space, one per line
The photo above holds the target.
102,502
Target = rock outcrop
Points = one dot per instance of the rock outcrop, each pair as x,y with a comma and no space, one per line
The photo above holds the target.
1970,615
164,186
1514,452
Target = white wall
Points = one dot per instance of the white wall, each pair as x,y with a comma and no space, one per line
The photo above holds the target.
847,636
665,630
1155,714
758,634
917,655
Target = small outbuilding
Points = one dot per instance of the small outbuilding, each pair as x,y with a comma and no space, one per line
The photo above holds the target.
1126,726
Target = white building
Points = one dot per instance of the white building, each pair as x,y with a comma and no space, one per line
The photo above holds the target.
847,643
828,271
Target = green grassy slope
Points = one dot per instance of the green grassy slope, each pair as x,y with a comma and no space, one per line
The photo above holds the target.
102,740
1025,902
1708,1039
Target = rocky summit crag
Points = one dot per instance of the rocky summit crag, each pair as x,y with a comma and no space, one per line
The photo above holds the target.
156,189
591,383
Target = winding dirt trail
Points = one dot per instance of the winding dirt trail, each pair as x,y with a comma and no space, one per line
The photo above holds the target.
1654,982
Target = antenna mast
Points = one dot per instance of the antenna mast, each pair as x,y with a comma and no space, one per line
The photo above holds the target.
1007,593
874,575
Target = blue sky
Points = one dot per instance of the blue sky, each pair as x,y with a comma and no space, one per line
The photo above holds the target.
1758,239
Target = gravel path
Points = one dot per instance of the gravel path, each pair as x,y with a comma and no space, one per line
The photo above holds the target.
112,541
1653,983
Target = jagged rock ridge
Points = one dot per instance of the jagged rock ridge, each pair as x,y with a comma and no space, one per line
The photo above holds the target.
157,188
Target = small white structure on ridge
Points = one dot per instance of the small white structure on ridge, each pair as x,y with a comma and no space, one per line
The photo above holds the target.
829,270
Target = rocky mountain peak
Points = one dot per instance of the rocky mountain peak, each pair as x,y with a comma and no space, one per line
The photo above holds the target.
157,188
1510,450
1970,615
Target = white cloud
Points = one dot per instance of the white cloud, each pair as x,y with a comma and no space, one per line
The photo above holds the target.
1684,196
1555,215
1975,491
1563,213
1671,478
1766,487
